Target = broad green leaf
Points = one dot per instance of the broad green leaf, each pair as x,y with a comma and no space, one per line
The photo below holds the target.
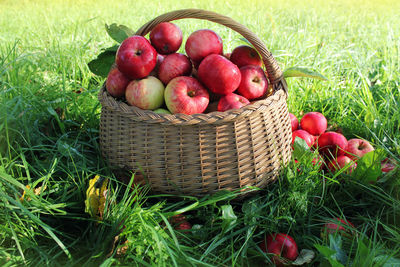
301,149
369,166
119,32
329,254
335,243
102,64
228,217
303,72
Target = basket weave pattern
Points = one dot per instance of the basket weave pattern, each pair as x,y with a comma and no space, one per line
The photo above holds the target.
201,153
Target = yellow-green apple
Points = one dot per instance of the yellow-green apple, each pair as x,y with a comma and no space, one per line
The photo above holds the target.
356,148
116,83
166,38
253,83
202,43
136,57
219,74
162,111
314,122
186,95
294,122
331,144
244,55
303,135
147,93
174,65
341,162
282,246
232,101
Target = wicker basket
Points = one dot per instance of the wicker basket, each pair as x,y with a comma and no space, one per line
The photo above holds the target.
202,153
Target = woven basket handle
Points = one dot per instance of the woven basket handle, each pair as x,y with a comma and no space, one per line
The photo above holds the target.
275,74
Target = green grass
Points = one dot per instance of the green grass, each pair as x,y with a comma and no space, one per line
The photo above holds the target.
49,118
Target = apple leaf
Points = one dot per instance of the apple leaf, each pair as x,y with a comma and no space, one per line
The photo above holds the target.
369,166
229,218
119,32
305,256
301,149
102,64
303,72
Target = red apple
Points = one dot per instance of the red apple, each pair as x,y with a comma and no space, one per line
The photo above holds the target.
174,65
337,225
294,122
219,74
388,165
186,95
341,162
314,122
315,141
146,93
356,148
232,101
282,245
116,83
202,43
332,144
303,135
245,55
166,38
136,58
253,83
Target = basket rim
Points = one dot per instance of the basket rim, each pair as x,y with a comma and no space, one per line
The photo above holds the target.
215,117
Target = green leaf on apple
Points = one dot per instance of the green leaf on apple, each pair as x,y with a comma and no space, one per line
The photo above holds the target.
369,166
301,149
119,32
102,64
303,72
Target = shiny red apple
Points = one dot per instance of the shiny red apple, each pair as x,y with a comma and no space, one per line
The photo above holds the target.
303,135
282,245
186,95
174,65
116,83
254,83
294,122
136,57
202,43
245,55
331,144
356,148
341,162
219,74
314,122
166,38
232,101
147,93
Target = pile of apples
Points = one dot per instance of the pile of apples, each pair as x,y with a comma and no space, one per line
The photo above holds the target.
335,150
151,75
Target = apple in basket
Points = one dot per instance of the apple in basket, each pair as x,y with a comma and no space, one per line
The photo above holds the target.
219,74
254,83
174,65
232,101
147,93
245,55
166,38
116,83
202,43
136,57
186,95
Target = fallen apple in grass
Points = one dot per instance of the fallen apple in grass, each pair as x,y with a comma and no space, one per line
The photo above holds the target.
314,122
294,122
219,74
136,57
331,144
174,65
186,95
116,83
356,148
303,135
232,101
147,93
202,43
253,83
245,55
282,245
341,162
388,165
338,226
166,38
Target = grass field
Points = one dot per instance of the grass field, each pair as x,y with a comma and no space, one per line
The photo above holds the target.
49,119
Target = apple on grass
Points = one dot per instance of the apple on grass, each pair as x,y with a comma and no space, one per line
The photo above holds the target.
166,38
342,162
331,144
356,148
136,57
174,65
314,122
219,74
294,122
146,93
253,83
303,135
186,95
282,245
337,226
116,83
388,165
232,101
245,55
202,43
